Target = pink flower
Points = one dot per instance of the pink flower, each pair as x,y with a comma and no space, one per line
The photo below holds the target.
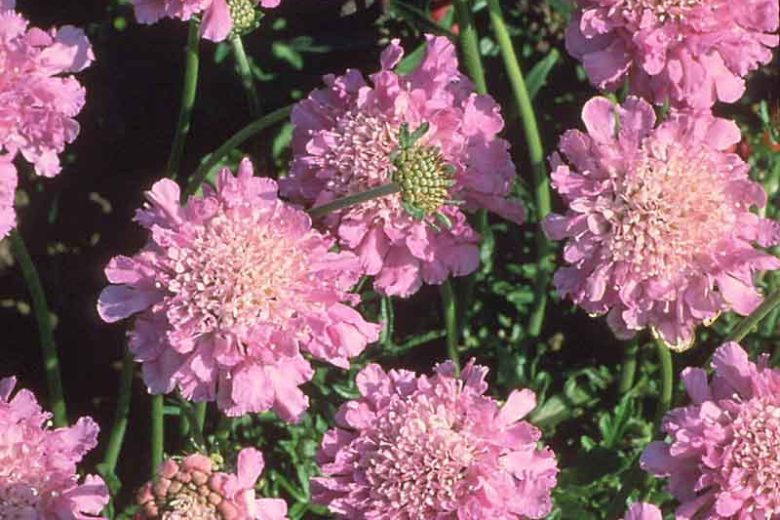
38,478
689,52
195,489
722,455
346,140
643,511
434,447
220,17
37,100
7,195
658,227
228,291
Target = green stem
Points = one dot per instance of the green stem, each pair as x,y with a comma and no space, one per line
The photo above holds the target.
245,72
450,322
234,142
536,153
43,318
158,432
196,424
388,316
469,44
188,94
744,327
667,382
121,415
628,370
355,199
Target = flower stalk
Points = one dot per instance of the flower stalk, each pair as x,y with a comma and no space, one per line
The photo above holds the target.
450,309
667,382
188,95
469,44
245,73
51,361
541,181
744,327
158,432
121,416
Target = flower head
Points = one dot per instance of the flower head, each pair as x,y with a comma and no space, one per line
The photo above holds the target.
658,227
428,447
643,511
38,101
194,488
428,132
221,18
7,194
722,458
38,477
229,290
689,52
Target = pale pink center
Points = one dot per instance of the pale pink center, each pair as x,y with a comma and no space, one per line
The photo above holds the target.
663,10
419,458
666,211
234,272
755,452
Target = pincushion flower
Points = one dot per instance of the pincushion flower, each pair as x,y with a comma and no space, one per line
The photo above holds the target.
194,488
38,99
689,52
643,511
434,447
347,139
38,478
658,228
7,194
228,292
220,18
721,456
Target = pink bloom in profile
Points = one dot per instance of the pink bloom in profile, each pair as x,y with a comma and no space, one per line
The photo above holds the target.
689,52
220,17
38,100
723,451
7,194
434,447
658,228
229,290
194,488
38,477
643,511
346,140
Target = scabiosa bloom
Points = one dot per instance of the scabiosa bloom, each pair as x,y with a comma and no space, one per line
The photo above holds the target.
643,511
722,454
220,17
7,195
194,488
38,477
690,52
434,447
229,290
658,227
37,100
347,139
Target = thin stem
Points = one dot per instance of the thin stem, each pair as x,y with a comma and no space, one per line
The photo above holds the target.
536,153
628,370
744,327
236,140
388,316
158,432
667,381
196,425
469,44
355,199
450,322
245,73
121,415
51,362
188,93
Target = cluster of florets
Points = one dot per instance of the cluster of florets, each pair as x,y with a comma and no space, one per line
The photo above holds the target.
38,477
231,288
433,447
194,488
428,132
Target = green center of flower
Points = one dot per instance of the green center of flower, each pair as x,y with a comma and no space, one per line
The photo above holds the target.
422,174
245,17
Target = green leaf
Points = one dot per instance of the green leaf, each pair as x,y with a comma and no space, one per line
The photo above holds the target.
537,77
